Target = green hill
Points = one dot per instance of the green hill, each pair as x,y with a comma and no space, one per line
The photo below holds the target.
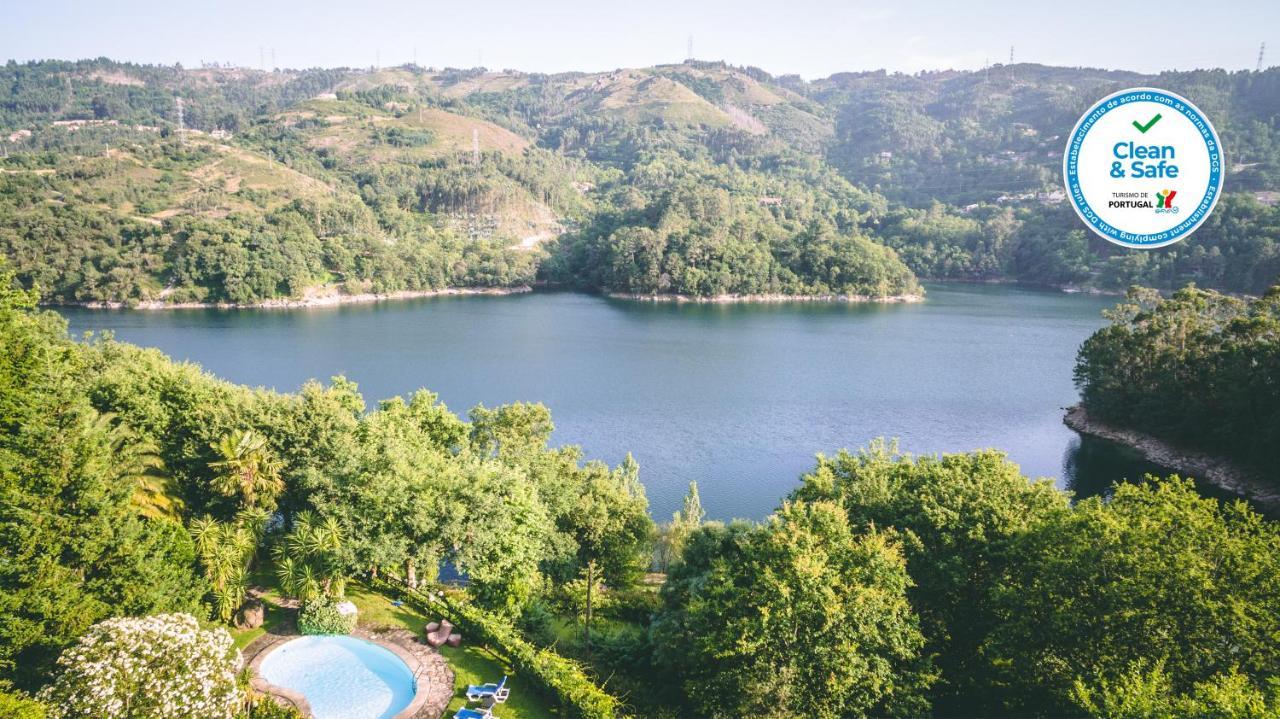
420,178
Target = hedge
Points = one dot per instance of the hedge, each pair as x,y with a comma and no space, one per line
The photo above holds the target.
561,678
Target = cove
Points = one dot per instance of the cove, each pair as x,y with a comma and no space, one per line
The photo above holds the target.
738,397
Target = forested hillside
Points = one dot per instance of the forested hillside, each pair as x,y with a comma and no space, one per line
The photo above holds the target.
1198,369
695,179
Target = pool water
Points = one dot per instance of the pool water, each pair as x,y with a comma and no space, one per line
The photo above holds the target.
341,677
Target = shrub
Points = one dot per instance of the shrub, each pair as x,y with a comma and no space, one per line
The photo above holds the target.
321,616
14,705
266,708
159,666
561,678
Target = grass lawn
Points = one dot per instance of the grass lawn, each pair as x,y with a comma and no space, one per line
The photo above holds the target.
470,663
473,665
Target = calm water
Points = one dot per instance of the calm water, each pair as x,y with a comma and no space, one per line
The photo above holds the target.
737,397
342,677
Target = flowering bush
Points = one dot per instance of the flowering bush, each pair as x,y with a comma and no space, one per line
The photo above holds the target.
324,615
160,666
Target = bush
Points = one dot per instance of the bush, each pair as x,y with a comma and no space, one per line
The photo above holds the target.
159,666
14,705
321,616
561,678
537,623
266,708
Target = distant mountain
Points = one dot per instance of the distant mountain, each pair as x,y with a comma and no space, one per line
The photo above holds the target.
696,178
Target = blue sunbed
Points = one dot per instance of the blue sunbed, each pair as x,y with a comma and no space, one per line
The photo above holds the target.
499,692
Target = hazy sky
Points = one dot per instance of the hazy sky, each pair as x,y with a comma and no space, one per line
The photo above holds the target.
809,37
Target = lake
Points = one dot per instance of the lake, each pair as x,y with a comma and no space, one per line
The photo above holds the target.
737,397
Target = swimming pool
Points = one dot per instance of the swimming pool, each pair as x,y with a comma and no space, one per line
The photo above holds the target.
341,677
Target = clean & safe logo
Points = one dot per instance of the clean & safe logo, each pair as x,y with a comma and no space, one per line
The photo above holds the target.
1143,168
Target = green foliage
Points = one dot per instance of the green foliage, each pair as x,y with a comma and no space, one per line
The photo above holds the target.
1197,368
797,617
247,471
311,560
1154,575
673,535
1142,693
75,547
958,517
321,616
562,679
16,705
267,708
676,226
226,550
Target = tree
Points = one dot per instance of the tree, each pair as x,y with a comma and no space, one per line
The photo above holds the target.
75,548
158,666
226,551
311,559
1153,577
610,525
959,516
684,522
247,470
797,617
1145,691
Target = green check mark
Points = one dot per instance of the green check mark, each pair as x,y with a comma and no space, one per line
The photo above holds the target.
1150,123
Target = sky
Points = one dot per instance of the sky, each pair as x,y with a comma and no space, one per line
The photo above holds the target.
812,38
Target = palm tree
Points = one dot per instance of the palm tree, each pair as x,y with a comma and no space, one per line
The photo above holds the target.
135,461
308,560
226,551
247,469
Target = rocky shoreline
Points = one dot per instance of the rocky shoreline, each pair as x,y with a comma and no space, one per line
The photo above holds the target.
1215,470
316,298
775,297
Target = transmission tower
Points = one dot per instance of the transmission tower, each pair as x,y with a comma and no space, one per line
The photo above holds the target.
1262,52
1010,54
273,59
688,54
262,58
182,135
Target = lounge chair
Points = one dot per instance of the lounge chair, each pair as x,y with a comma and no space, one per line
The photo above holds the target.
498,692
474,714
438,632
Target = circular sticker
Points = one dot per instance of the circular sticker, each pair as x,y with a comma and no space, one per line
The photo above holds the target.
1143,168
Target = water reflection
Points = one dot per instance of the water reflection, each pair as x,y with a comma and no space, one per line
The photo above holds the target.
1091,467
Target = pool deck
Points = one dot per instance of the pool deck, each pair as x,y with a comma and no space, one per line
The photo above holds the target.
433,677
